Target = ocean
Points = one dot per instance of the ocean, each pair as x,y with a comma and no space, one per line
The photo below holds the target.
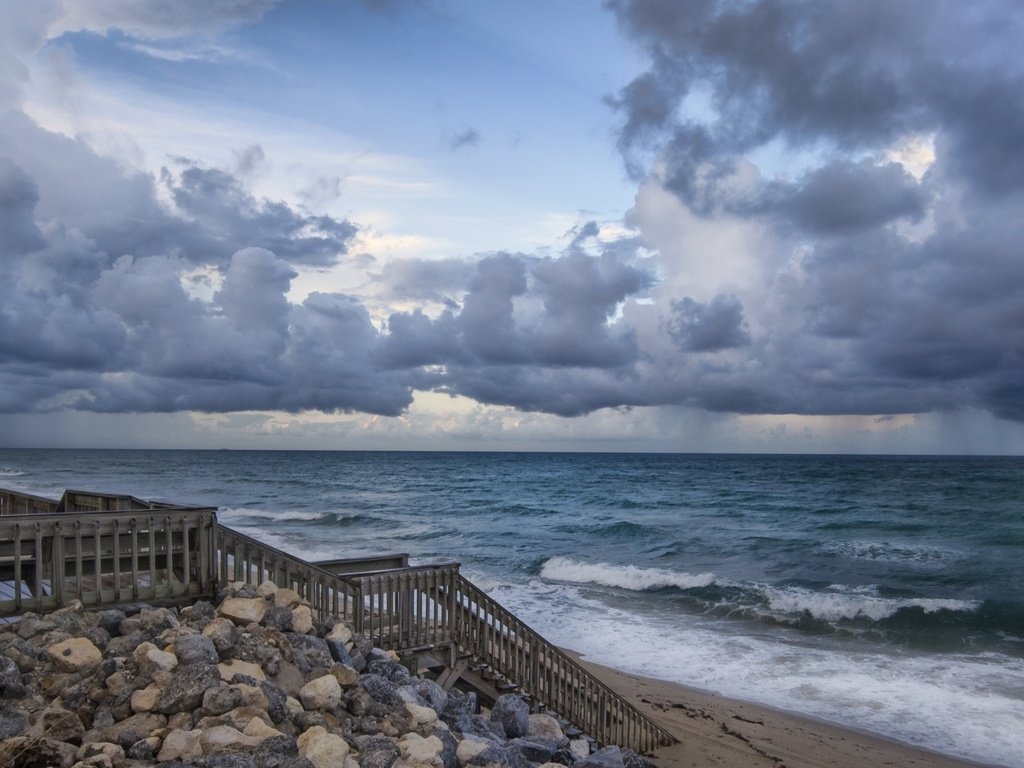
881,593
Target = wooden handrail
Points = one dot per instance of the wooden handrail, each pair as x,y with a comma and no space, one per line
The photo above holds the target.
110,557
243,558
105,558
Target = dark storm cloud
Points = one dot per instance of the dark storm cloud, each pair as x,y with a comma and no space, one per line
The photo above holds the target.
907,289
708,327
229,216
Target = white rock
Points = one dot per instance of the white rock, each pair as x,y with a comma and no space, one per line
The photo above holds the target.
181,745
321,693
145,699
580,748
260,730
419,752
224,738
244,610
287,598
267,589
470,747
322,749
75,655
340,632
542,726
420,715
302,619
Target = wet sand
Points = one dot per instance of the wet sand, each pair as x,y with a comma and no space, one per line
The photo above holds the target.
722,732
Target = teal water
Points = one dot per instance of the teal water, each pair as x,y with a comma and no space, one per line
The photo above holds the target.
884,593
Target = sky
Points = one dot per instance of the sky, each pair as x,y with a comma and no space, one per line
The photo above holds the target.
705,225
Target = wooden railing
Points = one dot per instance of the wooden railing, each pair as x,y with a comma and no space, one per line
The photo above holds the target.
105,558
414,608
243,558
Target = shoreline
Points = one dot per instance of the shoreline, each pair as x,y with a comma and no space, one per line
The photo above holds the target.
730,733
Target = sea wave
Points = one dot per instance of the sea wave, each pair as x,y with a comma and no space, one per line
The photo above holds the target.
622,576
842,603
11,472
288,515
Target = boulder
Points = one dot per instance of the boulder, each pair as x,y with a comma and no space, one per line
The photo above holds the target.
75,655
232,667
181,745
323,749
416,751
321,693
513,713
185,690
243,610
609,757
195,649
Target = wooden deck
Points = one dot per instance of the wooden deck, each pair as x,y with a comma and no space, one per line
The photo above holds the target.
106,549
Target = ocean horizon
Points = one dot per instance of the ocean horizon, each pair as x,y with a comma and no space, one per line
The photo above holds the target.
879,592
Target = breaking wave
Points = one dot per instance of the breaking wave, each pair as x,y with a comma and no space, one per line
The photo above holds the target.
622,576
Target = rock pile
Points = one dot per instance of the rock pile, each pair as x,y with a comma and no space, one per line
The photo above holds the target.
254,682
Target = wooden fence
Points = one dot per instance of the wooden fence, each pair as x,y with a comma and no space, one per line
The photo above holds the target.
48,558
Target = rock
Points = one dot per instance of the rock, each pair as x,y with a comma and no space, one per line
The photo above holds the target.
267,589
380,689
321,693
340,632
125,644
421,715
309,653
323,749
287,598
225,738
432,694
580,748
130,730
113,752
243,610
195,649
278,618
56,723
151,659
75,655
537,751
513,713
376,751
40,752
632,760
470,747
146,699
302,619
228,669
11,686
276,752
145,749
346,676
184,692
12,722
221,698
546,728
339,652
258,729
224,635
110,620
450,746
181,745
609,757
418,752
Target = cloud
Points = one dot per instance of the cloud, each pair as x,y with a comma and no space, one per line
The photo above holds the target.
467,137
870,285
159,19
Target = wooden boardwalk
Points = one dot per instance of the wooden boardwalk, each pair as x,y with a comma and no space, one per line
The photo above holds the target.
104,549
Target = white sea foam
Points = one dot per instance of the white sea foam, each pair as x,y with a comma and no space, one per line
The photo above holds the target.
236,513
966,705
10,472
842,602
623,576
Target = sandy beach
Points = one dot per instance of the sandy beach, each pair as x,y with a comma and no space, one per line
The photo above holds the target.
726,733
